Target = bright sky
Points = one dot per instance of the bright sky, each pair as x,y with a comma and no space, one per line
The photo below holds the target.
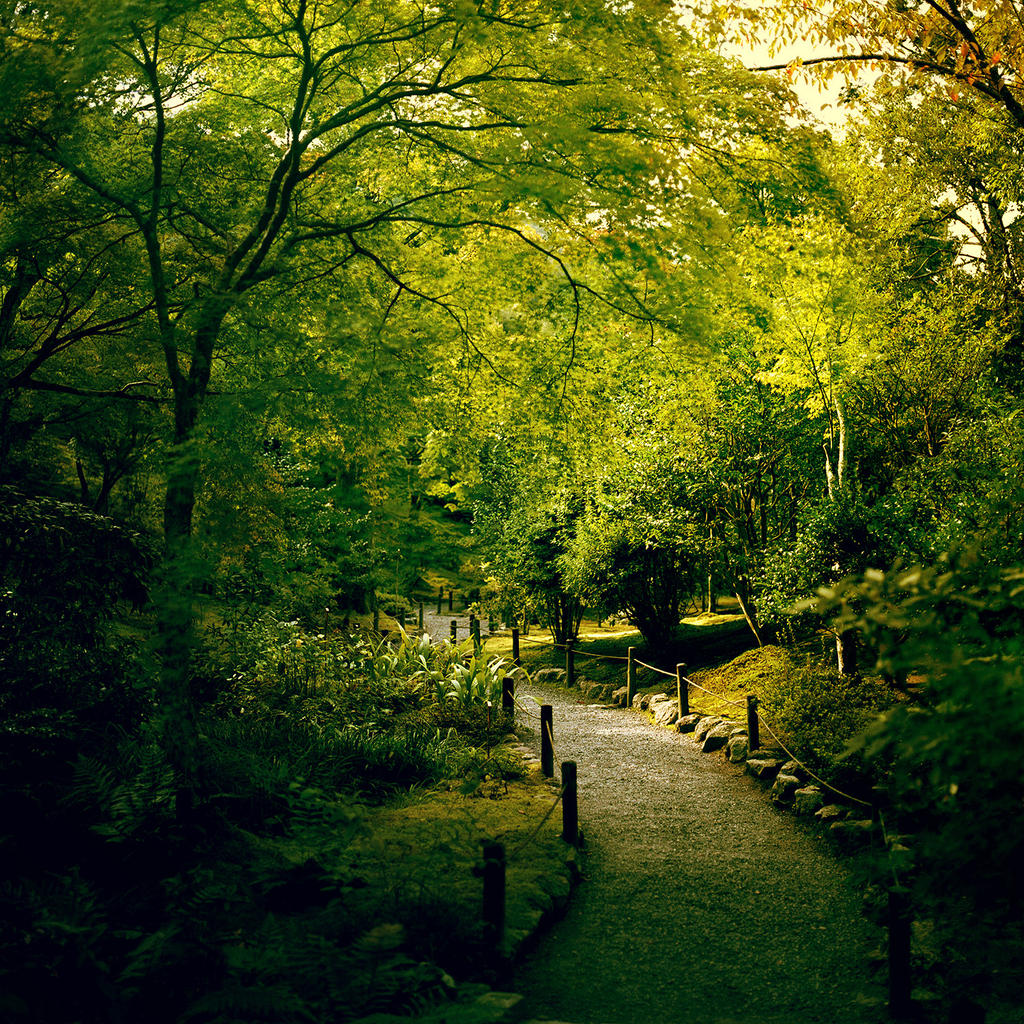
818,97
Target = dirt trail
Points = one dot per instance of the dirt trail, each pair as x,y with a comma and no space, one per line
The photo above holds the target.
702,903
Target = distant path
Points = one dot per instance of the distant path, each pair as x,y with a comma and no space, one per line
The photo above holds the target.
439,626
702,903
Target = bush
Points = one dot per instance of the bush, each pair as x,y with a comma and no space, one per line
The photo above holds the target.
950,636
819,711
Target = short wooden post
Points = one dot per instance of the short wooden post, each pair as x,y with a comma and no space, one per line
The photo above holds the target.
899,953
494,893
474,629
570,666
515,646
630,680
455,630
570,804
401,617
682,689
508,696
451,600
753,725
419,618
440,598
547,741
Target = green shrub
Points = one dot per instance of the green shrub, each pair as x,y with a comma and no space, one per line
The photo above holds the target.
950,635
818,711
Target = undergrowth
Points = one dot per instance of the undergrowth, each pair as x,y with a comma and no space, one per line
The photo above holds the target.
245,905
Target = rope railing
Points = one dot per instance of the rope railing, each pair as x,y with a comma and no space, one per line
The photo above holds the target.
562,647
653,668
543,821
900,912
711,693
760,718
600,657
523,707
817,778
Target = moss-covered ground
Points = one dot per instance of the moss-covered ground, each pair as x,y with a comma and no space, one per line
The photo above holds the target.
425,852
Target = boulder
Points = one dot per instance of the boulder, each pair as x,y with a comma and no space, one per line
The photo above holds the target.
784,788
830,813
808,800
718,736
852,834
594,691
688,723
737,750
549,675
639,699
764,768
647,698
704,726
619,696
666,712
793,768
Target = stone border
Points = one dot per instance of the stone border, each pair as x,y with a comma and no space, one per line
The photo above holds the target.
792,789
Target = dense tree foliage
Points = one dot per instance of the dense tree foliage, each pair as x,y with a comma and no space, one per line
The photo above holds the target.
309,306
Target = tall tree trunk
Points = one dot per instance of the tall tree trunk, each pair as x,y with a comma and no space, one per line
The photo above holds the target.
749,613
846,652
837,477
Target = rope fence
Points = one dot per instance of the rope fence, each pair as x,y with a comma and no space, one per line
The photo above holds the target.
533,835
900,914
654,668
697,686
817,778
711,693
563,647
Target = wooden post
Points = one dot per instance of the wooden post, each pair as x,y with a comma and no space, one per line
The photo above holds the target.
440,598
630,681
682,689
474,629
494,893
419,617
515,646
455,630
899,954
570,666
451,600
570,805
753,725
401,617
547,745
508,696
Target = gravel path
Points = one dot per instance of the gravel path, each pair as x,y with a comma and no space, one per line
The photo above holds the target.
702,904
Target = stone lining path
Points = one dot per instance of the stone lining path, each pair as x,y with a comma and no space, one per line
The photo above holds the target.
702,903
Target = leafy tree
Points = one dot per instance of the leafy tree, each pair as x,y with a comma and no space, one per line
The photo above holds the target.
264,148
941,45
948,634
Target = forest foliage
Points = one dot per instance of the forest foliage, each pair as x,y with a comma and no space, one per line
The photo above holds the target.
308,305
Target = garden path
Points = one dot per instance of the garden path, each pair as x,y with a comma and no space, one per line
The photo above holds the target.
702,903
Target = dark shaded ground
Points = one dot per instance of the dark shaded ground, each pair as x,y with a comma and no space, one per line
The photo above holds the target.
702,903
